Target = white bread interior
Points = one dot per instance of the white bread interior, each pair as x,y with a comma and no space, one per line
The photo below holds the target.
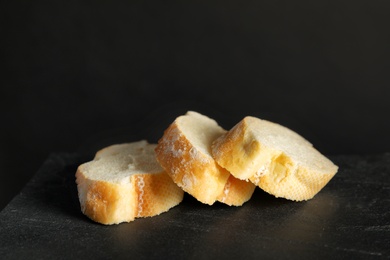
273,157
124,182
184,151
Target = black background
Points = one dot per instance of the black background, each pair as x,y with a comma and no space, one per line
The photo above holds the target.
78,75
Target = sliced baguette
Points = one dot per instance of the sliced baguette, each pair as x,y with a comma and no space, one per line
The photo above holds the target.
184,151
273,157
124,182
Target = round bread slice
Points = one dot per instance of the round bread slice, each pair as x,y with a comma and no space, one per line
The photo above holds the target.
184,151
273,157
123,182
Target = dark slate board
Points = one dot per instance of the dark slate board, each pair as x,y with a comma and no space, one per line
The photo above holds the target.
348,219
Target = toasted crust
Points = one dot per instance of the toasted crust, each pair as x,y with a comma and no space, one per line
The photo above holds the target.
298,186
196,172
112,201
242,152
189,168
236,192
157,193
104,202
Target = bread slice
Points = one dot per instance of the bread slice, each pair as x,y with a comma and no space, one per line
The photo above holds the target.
124,182
275,158
184,151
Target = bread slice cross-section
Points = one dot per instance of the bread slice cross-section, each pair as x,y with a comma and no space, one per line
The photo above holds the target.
273,157
124,182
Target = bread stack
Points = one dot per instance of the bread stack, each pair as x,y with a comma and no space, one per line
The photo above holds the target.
184,152
197,156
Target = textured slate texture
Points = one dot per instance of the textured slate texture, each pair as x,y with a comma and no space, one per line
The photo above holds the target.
348,219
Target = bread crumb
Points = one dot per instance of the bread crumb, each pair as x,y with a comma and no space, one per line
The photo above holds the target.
187,181
226,191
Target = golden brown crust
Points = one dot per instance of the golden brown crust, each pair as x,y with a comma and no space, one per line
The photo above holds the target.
198,173
145,196
298,186
241,153
138,195
101,202
156,193
193,171
104,202
236,192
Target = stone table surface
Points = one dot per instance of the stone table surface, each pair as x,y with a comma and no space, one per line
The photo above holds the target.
348,219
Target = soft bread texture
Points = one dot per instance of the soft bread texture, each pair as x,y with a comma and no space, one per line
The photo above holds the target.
124,182
273,157
184,151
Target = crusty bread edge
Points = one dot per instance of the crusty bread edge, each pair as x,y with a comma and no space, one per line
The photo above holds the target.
104,202
188,166
236,148
156,193
236,192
